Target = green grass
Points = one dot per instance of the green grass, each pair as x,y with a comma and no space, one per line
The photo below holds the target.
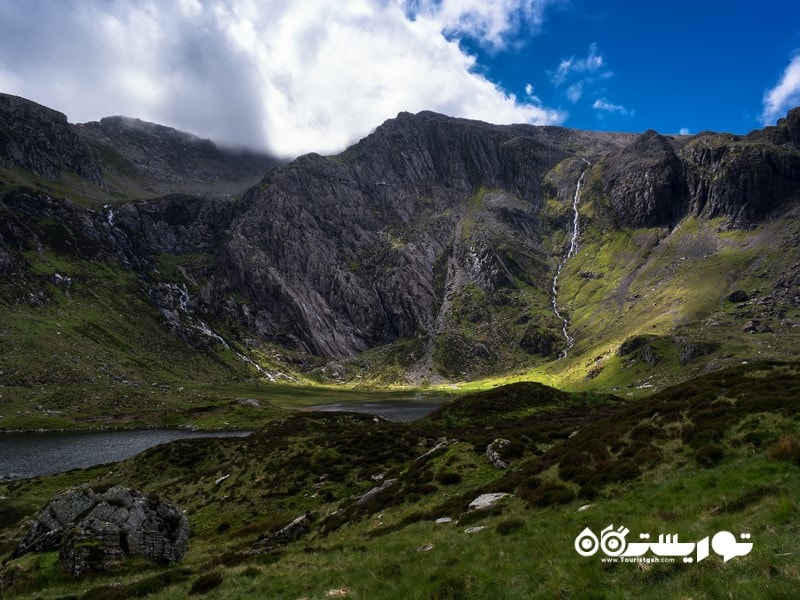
393,548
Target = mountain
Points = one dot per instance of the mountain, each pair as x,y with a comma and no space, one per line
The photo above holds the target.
123,158
426,252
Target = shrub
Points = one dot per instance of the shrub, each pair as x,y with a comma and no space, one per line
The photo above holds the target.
206,583
106,592
787,448
547,494
709,455
151,585
509,526
448,478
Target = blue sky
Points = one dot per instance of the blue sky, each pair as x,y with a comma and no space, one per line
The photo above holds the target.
665,65
317,75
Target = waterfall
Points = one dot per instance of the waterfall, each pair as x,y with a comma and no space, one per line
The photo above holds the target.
184,297
206,330
110,215
572,249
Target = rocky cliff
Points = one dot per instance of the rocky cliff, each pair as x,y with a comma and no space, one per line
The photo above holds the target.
40,140
441,231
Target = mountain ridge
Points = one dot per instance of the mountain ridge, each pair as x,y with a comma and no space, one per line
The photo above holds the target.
426,251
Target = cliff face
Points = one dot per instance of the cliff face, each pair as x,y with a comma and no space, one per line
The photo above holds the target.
656,182
434,228
645,183
162,160
40,140
344,252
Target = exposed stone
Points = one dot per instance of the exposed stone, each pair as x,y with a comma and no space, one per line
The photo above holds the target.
493,453
48,525
370,495
485,501
645,182
691,351
289,533
752,326
475,529
643,347
94,532
443,520
248,402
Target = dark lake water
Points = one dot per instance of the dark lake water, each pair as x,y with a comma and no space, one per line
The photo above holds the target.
32,454
391,410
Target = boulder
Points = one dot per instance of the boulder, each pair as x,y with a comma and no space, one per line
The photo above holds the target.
485,501
94,532
691,351
289,533
370,496
756,326
493,453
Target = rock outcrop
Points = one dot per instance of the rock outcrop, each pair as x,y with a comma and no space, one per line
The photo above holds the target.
40,140
493,453
93,532
644,182
288,533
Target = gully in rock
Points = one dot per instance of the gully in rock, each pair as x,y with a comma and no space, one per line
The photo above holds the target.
571,251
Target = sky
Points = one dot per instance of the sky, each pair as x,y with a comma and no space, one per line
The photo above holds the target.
317,75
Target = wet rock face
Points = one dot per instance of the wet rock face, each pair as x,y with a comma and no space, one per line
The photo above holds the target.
94,532
644,182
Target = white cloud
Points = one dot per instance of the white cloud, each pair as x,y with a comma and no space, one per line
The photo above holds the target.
684,131
492,23
785,95
591,67
578,74
575,91
291,77
606,106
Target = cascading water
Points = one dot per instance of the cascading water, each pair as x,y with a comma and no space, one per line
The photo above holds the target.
184,298
110,215
571,251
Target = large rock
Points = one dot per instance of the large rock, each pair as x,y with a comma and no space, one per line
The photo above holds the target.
40,140
372,494
94,532
644,182
289,533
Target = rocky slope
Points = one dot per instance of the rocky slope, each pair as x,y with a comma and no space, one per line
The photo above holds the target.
119,157
439,236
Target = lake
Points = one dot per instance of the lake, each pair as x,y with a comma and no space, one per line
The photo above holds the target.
30,454
392,410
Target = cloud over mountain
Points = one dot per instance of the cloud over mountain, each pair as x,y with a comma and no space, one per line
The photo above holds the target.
290,77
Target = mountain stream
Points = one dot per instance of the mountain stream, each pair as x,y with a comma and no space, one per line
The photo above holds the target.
572,249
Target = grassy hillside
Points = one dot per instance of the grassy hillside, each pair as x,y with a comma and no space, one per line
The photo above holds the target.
717,453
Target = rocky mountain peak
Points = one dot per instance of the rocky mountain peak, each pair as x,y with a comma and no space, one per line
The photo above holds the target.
170,160
644,182
40,140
